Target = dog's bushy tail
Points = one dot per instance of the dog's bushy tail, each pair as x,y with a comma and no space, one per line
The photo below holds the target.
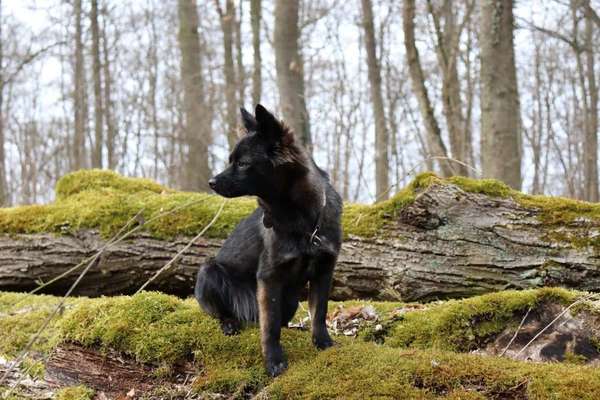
223,297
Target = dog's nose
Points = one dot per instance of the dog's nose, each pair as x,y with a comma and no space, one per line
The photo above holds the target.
212,182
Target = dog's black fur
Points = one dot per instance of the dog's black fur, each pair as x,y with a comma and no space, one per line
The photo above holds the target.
292,238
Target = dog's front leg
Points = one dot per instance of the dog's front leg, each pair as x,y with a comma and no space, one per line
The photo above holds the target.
269,312
318,296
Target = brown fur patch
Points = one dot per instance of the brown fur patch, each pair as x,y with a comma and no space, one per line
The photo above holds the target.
263,312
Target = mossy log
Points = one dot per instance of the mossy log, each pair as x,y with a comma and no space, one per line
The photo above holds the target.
155,346
435,239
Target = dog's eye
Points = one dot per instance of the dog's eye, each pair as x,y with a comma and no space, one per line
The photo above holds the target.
242,164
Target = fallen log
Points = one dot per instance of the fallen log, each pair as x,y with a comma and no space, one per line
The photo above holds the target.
436,239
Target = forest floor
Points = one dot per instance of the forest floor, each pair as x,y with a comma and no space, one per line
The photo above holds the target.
152,345
531,344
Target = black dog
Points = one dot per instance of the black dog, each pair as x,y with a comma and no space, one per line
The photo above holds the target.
292,238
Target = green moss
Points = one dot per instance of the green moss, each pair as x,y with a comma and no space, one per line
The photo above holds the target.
104,200
490,187
33,368
560,210
97,179
369,220
573,358
463,325
388,373
164,331
21,316
15,394
74,393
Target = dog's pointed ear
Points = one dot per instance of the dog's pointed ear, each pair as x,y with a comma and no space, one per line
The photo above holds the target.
268,126
249,121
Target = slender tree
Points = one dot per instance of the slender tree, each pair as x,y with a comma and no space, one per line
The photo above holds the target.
97,77
196,133
500,115
590,148
110,124
448,32
241,71
436,145
79,95
255,15
290,69
381,131
3,180
227,18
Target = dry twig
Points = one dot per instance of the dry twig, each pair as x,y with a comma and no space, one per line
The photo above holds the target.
184,249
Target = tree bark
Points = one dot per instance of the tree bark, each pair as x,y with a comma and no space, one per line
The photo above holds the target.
111,374
447,50
417,77
290,69
500,114
590,148
381,131
227,22
197,134
79,103
239,55
255,13
98,111
448,243
111,133
3,180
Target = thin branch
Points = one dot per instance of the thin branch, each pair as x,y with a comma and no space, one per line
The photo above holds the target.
116,241
589,296
573,43
516,332
184,249
28,59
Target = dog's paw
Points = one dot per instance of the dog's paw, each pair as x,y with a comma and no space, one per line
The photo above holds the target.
323,342
230,327
276,367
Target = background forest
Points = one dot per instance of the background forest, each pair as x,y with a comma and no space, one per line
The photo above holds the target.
378,89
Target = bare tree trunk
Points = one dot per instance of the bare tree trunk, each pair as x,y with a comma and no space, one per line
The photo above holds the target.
434,135
241,72
590,148
3,181
469,96
153,92
255,16
197,133
290,69
227,23
447,49
381,132
79,94
500,114
98,111
108,104
537,129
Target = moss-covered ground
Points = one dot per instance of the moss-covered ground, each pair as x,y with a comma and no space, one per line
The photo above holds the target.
423,353
105,200
420,353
